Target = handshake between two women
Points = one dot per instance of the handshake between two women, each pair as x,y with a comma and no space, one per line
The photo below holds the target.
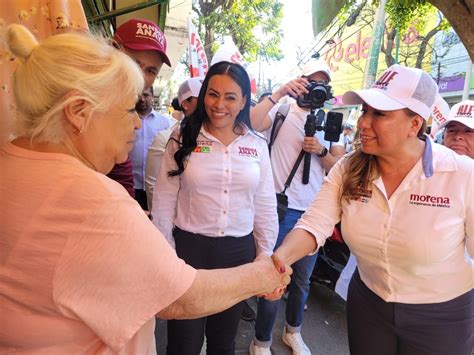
216,290
283,276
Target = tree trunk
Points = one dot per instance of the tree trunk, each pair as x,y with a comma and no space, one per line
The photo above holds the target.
390,42
424,44
460,14
208,41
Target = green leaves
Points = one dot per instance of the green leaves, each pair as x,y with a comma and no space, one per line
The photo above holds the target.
254,25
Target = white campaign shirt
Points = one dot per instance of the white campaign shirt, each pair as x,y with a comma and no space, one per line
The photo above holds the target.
223,191
409,248
151,125
153,160
285,151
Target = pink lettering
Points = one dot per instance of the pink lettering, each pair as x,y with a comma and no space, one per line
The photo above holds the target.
364,50
435,200
355,50
350,51
438,116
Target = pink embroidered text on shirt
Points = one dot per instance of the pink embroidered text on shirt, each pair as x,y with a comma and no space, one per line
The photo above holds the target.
361,195
430,201
249,152
204,143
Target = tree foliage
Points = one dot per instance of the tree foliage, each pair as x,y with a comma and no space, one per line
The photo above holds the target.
241,19
459,13
419,23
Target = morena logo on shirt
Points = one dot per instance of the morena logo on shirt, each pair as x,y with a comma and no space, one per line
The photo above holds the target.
430,201
248,152
385,79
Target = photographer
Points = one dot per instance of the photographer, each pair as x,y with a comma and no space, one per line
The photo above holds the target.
289,142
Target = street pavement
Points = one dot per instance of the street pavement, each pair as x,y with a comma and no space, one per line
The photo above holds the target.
324,327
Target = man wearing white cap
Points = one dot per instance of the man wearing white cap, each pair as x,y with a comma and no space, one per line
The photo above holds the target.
407,214
459,132
284,153
188,93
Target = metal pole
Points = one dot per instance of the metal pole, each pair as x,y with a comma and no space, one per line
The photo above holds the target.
373,59
125,10
467,82
439,73
397,45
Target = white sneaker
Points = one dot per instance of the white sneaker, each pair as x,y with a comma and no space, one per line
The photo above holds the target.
295,342
258,350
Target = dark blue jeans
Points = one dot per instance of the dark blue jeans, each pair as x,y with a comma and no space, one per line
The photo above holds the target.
298,289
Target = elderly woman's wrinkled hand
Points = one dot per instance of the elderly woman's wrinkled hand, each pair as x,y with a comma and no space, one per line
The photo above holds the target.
277,276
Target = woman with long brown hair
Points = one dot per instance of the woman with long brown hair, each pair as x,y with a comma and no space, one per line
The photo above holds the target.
406,207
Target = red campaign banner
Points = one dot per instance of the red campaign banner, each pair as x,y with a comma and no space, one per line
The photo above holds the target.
229,52
439,115
198,65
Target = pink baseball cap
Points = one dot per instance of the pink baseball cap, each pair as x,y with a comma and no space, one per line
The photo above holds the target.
142,35
398,87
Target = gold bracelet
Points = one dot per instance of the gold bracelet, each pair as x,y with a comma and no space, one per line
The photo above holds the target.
271,99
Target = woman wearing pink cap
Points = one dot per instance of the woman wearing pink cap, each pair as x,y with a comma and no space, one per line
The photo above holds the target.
406,206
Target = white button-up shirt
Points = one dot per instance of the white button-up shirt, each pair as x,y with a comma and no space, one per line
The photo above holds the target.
151,125
409,248
223,191
153,160
285,151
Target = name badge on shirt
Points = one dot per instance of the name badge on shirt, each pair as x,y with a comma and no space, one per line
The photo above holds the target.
203,147
361,195
248,152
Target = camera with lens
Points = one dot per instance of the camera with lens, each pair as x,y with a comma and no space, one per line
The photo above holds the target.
331,123
318,93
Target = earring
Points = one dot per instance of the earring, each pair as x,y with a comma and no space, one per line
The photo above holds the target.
78,131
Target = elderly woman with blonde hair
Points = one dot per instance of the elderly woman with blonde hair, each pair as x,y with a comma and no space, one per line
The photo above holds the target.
82,268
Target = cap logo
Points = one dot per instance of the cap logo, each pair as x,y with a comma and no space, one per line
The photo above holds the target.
147,31
465,110
385,79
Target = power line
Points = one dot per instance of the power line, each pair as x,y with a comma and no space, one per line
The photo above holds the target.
340,43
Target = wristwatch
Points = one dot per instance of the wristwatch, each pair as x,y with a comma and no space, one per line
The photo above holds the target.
323,153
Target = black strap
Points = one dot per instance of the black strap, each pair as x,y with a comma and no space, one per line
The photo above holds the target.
293,171
277,123
280,117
